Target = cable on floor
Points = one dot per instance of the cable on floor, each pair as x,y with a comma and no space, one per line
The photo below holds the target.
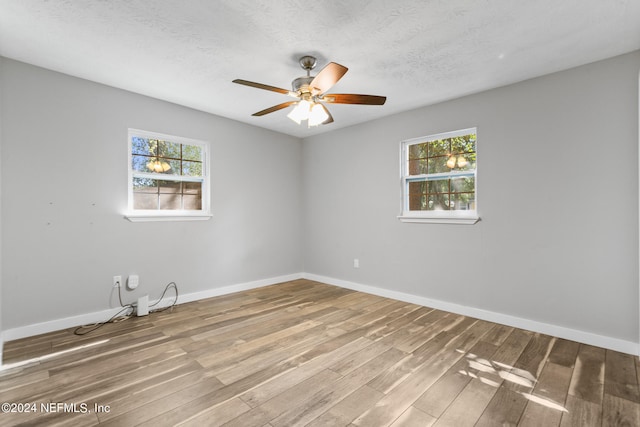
128,309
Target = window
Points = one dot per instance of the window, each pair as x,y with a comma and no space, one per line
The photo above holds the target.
168,177
439,178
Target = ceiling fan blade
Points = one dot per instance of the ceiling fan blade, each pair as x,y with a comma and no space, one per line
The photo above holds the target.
261,86
274,108
327,77
330,118
351,98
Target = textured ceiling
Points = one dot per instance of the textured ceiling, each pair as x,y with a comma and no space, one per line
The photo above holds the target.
415,52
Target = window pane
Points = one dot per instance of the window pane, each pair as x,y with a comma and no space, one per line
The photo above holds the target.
418,187
192,187
166,157
167,187
417,167
438,165
466,162
145,201
191,152
192,202
170,201
418,202
139,163
418,196
191,168
174,167
155,165
417,151
143,145
438,186
169,149
435,195
438,202
439,147
463,201
463,144
463,185
462,162
145,185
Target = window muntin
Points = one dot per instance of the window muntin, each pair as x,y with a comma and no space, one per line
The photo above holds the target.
439,175
167,174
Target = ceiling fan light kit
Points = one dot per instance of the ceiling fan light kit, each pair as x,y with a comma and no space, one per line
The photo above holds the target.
315,113
311,93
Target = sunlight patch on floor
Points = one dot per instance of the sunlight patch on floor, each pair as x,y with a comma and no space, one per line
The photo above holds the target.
479,368
6,367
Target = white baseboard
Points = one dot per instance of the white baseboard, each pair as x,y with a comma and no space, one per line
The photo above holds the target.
195,296
503,319
101,316
518,322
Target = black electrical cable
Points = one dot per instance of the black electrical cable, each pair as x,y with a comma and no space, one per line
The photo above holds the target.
119,317
175,301
116,317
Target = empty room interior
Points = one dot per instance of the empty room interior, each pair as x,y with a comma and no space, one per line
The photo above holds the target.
287,213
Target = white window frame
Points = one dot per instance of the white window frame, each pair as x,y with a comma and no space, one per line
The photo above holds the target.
143,215
434,217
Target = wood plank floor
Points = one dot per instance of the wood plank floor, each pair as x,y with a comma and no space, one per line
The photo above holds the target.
303,353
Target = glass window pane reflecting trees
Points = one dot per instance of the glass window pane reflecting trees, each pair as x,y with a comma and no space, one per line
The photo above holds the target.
439,172
167,173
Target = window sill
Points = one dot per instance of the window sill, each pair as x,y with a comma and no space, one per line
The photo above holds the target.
466,219
171,216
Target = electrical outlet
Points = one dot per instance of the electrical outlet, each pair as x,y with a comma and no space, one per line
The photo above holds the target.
356,263
117,281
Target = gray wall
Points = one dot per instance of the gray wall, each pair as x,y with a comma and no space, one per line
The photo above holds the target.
1,261
558,198
557,184
64,191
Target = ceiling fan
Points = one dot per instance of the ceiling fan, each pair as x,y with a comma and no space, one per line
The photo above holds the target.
311,93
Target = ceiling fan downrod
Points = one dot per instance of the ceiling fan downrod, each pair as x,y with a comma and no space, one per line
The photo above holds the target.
301,84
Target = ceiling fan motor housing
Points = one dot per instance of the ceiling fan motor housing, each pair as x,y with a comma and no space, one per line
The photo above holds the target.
301,84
